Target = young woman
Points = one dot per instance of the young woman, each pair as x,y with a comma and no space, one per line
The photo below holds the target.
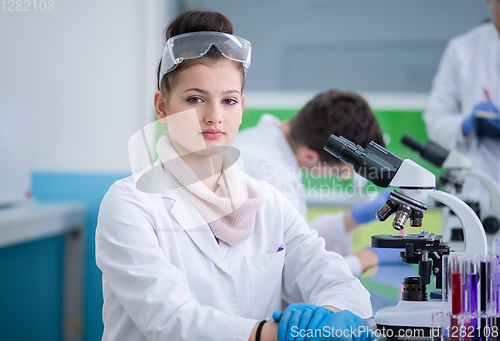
215,252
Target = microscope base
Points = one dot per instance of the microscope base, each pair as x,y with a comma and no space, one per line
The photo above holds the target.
408,318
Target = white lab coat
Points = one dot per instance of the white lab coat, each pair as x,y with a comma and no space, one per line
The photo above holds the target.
267,156
470,63
166,278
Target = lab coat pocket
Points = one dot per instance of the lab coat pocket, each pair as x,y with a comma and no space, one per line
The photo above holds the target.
265,276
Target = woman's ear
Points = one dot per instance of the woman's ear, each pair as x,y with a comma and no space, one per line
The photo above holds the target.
160,105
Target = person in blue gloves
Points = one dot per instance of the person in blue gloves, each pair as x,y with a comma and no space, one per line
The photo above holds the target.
276,152
464,102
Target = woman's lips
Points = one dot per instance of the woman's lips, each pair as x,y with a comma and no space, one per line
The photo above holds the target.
212,134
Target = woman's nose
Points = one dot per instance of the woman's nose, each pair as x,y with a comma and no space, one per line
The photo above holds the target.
214,115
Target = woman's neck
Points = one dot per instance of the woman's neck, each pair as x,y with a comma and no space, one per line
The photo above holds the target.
206,167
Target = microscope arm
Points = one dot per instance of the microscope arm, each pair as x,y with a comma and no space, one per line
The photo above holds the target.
493,191
474,236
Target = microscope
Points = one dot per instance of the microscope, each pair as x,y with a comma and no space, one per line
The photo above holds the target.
456,167
416,184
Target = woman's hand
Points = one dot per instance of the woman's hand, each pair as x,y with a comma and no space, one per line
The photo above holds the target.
301,323
297,317
342,326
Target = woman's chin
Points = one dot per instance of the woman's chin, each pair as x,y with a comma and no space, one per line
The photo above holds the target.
212,149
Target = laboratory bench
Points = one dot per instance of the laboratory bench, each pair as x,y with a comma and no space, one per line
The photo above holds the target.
33,220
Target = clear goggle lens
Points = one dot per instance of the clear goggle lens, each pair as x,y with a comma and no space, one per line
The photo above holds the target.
197,44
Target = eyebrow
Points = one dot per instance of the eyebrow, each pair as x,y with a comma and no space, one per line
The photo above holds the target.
198,90
207,93
231,92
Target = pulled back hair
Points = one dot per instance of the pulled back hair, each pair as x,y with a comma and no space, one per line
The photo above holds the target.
335,112
195,21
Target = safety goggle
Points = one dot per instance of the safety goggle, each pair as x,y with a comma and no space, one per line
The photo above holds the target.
196,44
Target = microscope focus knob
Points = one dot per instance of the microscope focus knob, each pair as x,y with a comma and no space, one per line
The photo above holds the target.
491,225
410,250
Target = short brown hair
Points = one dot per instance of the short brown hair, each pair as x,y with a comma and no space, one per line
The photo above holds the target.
335,112
195,21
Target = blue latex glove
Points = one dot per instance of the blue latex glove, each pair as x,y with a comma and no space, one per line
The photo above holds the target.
296,317
386,256
482,126
353,328
365,213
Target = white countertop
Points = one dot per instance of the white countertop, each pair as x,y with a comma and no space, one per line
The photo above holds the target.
35,220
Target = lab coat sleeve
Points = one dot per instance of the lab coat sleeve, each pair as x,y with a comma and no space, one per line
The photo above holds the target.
331,227
313,275
153,292
443,117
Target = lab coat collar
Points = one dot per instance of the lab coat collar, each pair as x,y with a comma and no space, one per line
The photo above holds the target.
155,180
191,221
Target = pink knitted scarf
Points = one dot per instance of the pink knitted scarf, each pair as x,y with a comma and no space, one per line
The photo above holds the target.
230,211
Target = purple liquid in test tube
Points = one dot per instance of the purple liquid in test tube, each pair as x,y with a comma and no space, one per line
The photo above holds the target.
471,290
495,278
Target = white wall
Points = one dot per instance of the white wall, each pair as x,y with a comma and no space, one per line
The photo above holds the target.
86,71
362,45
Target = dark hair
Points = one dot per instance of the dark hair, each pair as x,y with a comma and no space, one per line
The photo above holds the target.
335,112
195,21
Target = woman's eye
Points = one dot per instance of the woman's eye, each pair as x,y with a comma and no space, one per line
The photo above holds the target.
230,101
194,100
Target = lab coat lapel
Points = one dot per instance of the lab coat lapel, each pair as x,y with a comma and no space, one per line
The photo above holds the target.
193,223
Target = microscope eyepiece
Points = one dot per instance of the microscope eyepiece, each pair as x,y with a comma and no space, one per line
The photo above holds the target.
344,149
431,152
373,163
412,143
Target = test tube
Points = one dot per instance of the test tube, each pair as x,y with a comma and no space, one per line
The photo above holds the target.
445,290
494,306
485,297
455,292
470,303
